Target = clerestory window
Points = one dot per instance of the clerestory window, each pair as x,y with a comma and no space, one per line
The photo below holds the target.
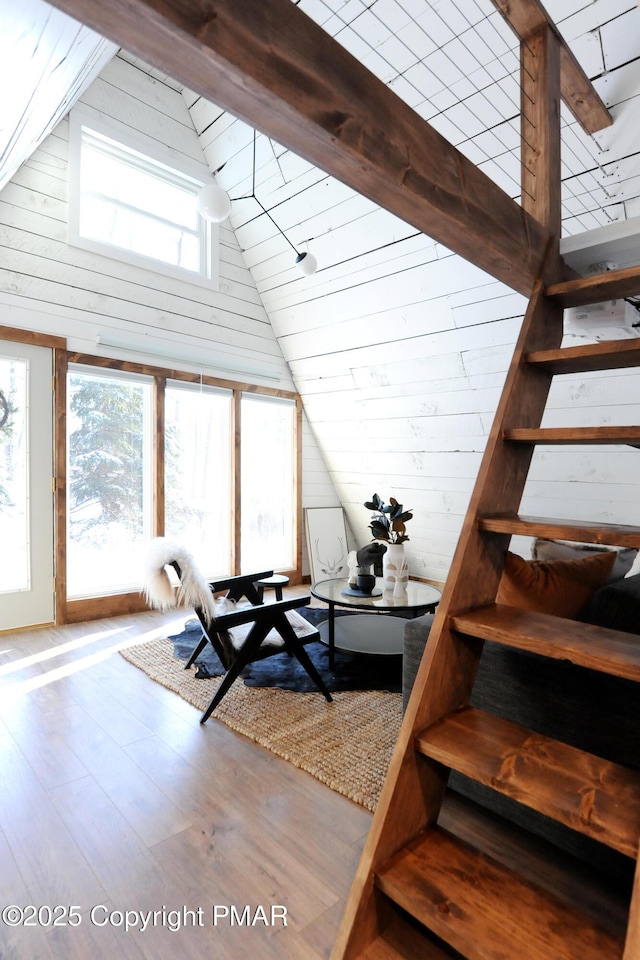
129,200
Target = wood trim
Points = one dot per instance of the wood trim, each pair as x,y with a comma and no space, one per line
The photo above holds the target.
159,457
297,489
97,608
18,335
540,129
526,17
236,483
60,484
273,67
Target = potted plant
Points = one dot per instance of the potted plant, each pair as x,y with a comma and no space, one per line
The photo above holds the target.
389,524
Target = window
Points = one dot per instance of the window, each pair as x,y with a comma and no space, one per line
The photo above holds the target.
126,201
200,462
268,495
109,477
197,438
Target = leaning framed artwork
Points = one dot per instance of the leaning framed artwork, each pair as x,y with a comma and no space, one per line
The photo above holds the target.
326,543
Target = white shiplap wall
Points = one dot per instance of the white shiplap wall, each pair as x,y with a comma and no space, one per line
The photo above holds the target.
95,294
49,286
400,348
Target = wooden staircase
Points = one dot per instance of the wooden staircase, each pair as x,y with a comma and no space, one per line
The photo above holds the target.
421,890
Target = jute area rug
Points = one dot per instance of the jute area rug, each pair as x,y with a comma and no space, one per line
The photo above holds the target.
346,744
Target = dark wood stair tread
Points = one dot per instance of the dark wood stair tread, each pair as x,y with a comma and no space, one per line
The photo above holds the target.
606,355
400,940
598,648
612,285
584,792
575,435
483,909
620,535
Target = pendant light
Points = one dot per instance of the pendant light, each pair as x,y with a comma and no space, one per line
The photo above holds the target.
214,204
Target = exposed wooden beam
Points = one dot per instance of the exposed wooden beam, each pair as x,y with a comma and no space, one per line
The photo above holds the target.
526,17
272,66
540,129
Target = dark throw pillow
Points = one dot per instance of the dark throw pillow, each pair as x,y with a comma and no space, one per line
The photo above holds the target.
558,587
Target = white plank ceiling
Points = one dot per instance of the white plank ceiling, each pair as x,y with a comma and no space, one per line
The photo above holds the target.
47,60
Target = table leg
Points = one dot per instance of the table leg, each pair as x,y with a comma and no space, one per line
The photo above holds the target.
332,634
418,612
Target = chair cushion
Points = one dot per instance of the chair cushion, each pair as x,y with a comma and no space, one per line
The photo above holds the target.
558,587
544,549
303,630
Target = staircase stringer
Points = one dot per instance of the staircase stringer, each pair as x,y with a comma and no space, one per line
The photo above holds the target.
632,940
414,788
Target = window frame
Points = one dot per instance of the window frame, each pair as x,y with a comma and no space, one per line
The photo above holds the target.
107,605
176,168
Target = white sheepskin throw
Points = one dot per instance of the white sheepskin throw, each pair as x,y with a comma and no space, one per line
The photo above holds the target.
193,591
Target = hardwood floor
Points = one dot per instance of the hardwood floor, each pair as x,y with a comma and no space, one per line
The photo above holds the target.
114,798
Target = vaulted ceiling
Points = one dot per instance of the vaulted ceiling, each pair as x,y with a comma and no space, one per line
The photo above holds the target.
457,65
395,340
47,60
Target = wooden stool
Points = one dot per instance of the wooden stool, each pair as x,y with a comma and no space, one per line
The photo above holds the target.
277,581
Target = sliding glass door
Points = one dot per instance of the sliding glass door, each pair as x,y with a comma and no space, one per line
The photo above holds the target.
26,488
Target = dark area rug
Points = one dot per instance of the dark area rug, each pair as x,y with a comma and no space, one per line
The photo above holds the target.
351,671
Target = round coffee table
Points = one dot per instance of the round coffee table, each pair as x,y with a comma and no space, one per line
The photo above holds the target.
377,635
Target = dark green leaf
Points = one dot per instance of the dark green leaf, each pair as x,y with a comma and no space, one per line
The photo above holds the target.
375,503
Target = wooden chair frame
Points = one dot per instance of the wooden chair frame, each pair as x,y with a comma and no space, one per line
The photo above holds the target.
265,618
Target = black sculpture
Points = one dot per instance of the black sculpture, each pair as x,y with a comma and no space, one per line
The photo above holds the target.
365,558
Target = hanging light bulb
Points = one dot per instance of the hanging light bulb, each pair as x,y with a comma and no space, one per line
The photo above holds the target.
307,264
213,203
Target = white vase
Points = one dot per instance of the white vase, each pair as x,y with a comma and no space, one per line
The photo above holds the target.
395,570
